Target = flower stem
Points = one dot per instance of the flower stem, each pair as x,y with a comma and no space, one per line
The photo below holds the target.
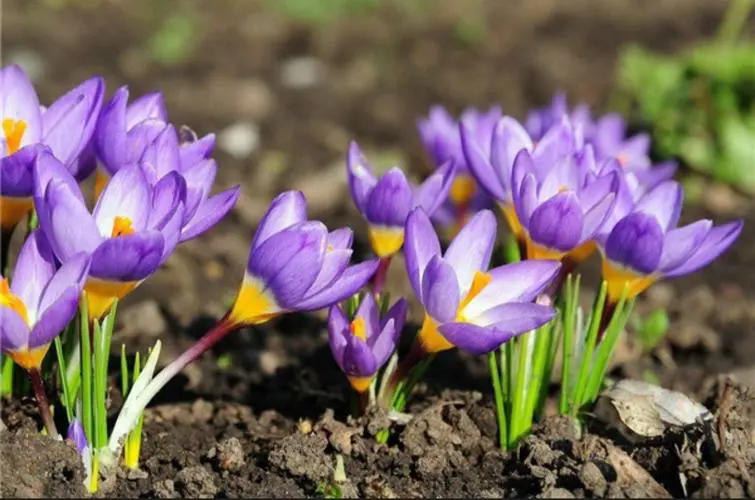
42,404
498,393
378,280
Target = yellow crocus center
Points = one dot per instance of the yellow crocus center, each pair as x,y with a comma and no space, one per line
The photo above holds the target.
357,328
101,294
121,226
480,281
463,188
12,210
13,130
29,359
360,384
101,178
617,277
509,213
386,241
8,299
254,305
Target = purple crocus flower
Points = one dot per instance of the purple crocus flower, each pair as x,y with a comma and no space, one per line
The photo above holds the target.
465,304
439,132
133,228
65,127
386,202
647,245
363,344
40,302
540,121
77,436
295,264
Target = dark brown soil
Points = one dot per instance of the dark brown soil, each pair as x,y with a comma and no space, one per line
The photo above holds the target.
266,413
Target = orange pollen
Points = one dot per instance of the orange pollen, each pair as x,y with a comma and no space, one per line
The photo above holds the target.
7,298
623,159
479,282
121,226
14,132
357,328
330,248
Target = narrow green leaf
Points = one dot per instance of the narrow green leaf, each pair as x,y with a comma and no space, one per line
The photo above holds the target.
86,372
498,394
580,389
63,379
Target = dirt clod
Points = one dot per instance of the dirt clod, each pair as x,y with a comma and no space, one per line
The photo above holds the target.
228,455
196,482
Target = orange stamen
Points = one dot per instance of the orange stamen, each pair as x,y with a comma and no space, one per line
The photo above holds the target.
7,298
14,132
357,328
121,226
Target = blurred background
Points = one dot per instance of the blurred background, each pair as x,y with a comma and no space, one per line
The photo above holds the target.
285,84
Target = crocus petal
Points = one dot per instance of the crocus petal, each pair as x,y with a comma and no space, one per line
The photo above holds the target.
680,243
287,209
48,168
358,359
110,133
434,190
369,312
471,249
54,318
126,195
334,263
16,171
515,317
196,151
148,106
472,338
19,101
352,279
390,200
210,212
140,138
479,165
420,245
361,180
69,122
288,262
130,257
509,138
171,231
515,282
716,241
14,332
557,143
34,268
166,195
636,242
340,239
397,313
656,174
440,290
384,343
338,329
595,217
71,274
199,178
664,202
161,156
558,222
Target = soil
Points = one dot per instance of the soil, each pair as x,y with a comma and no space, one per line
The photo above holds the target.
266,413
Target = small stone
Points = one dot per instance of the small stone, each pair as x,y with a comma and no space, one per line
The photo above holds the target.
557,493
230,455
202,410
239,139
144,318
302,72
270,362
136,474
593,479
305,426
165,489
196,482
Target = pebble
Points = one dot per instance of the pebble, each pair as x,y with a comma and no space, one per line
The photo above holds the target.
196,482
228,455
302,72
239,139
144,318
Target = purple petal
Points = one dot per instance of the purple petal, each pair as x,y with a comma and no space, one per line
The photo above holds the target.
161,156
19,101
434,190
340,239
420,245
16,171
358,359
210,212
656,174
34,267
471,249
715,243
472,338
480,166
199,178
515,317
54,318
557,143
596,216
558,222
149,106
664,202
338,329
680,243
166,195
509,139
77,436
196,151
69,122
636,242
351,281
140,138
361,180
397,313
333,265
48,168
14,332
384,343
289,261
126,195
440,290
130,257
516,282
369,312
72,274
596,192
171,231
287,209
110,133
389,201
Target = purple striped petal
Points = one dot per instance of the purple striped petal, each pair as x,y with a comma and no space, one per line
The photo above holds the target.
349,283
34,268
338,329
171,231
390,200
14,332
509,138
47,168
68,124
139,138
715,243
334,263
557,223
19,101
361,179
199,179
130,257
196,151
110,133
664,202
369,312
340,239
16,171
472,338
289,261
149,106
161,156
680,243
126,195
440,290
210,212
54,318
420,245
434,190
480,166
595,217
636,242
358,359
397,313
471,249
384,343
166,195
515,317
286,209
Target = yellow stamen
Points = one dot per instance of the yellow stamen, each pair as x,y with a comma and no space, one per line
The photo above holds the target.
13,130
386,241
8,299
357,328
539,252
511,219
254,305
360,384
463,188
101,294
29,359
618,277
101,178
12,210
121,226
